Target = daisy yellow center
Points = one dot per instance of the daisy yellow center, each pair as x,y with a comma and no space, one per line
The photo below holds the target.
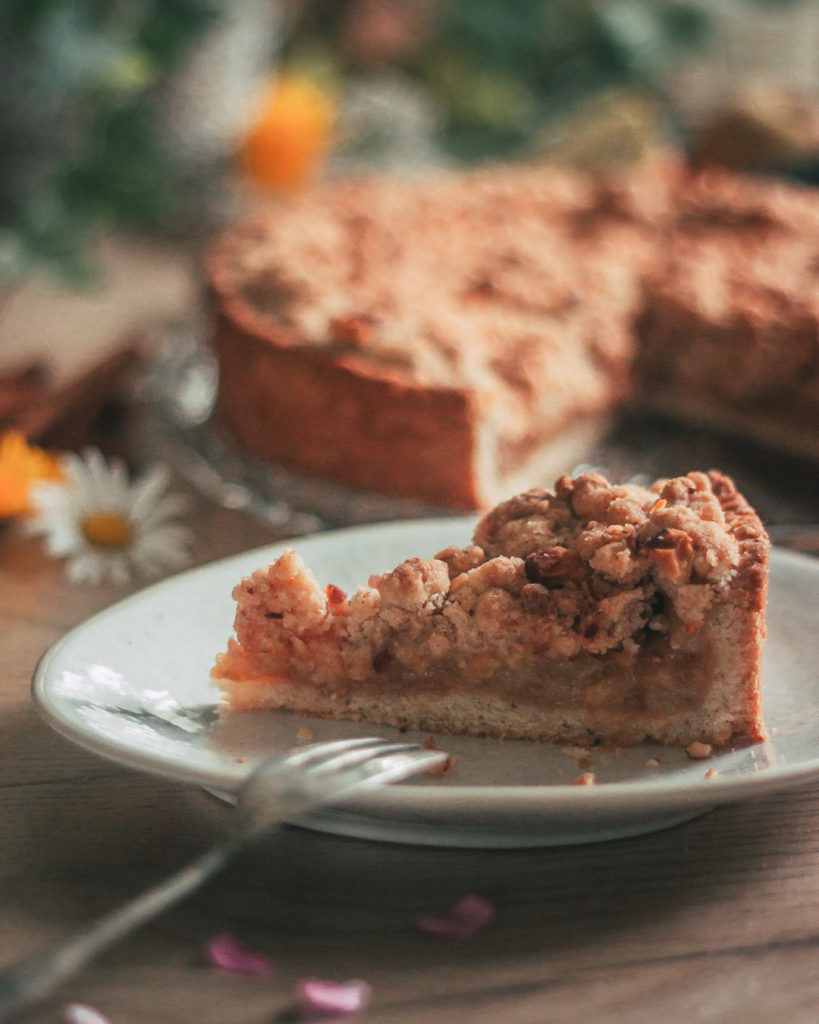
107,529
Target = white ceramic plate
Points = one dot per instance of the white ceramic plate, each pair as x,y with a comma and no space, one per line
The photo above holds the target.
132,684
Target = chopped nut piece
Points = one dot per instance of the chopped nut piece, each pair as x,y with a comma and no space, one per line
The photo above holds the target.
555,566
586,779
653,762
698,751
671,550
712,773
304,735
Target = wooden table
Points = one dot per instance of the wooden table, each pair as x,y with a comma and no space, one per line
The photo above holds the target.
715,920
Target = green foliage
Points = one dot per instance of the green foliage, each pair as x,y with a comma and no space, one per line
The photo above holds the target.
500,71
538,59
78,150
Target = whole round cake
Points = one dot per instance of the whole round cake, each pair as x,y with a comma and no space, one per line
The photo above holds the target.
457,337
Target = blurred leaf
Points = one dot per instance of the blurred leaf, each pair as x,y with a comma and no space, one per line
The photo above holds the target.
643,39
85,71
170,26
502,70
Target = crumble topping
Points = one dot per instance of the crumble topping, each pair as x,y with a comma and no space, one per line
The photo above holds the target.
583,568
500,270
617,558
591,567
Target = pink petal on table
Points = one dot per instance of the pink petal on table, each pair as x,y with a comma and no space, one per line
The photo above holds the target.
463,919
315,996
79,1013
228,953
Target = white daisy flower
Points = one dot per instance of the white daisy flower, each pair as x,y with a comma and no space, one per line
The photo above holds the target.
106,525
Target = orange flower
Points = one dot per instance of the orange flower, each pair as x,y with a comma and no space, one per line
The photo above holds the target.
289,139
21,466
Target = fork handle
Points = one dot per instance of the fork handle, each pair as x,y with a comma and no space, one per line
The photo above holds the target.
32,980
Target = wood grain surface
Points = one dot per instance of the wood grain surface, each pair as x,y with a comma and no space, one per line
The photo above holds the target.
715,920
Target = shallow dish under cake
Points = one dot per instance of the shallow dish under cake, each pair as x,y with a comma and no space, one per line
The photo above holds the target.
132,685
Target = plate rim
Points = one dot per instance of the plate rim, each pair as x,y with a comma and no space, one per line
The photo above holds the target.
656,790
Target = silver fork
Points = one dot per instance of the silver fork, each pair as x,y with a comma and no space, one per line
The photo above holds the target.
281,789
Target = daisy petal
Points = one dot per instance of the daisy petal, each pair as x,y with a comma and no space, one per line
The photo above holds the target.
47,499
53,520
314,995
113,484
228,953
161,551
166,508
63,539
146,490
165,535
470,915
86,567
75,470
117,568
170,538
98,477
